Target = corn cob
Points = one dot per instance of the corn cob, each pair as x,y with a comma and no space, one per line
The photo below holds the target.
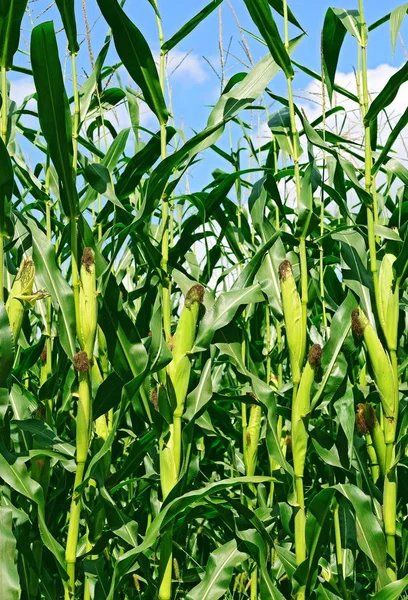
299,439
292,311
21,292
382,369
88,306
367,424
388,301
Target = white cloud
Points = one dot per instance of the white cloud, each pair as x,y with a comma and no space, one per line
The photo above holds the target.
186,66
351,118
20,88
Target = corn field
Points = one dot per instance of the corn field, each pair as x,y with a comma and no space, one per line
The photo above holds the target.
203,392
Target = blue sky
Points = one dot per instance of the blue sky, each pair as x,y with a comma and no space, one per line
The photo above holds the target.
194,85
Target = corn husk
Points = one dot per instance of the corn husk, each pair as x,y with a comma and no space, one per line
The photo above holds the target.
183,341
292,311
300,410
21,291
88,305
388,301
380,362
252,438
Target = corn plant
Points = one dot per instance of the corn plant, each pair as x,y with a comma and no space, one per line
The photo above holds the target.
203,392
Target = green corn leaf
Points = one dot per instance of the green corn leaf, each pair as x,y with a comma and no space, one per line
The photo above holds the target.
135,54
336,24
401,264
140,163
134,458
356,276
108,163
263,19
380,22
396,19
168,513
340,327
324,594
9,579
7,347
218,572
398,127
45,436
6,192
14,472
88,88
53,111
370,536
223,312
188,27
201,395
317,529
67,11
393,590
50,278
279,7
11,16
387,94
126,352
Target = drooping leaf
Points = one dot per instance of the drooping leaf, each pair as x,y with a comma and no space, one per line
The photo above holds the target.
336,24
370,536
53,111
50,279
11,15
9,579
188,27
136,56
263,19
67,11
6,191
218,572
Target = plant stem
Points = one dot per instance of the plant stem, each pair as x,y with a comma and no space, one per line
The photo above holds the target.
73,530
77,113
372,212
296,158
300,530
164,202
339,552
390,482
4,138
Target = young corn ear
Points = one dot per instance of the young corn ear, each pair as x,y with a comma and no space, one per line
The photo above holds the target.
292,311
168,464
16,302
252,438
382,368
88,304
83,419
367,424
388,301
183,341
301,408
